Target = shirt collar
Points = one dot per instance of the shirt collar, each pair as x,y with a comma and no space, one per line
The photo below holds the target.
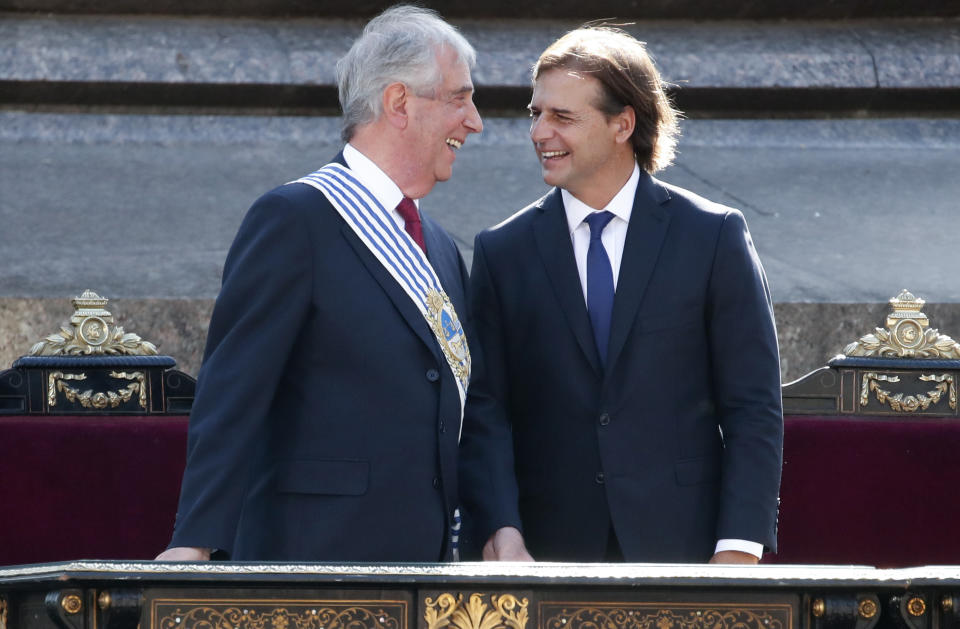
621,205
373,178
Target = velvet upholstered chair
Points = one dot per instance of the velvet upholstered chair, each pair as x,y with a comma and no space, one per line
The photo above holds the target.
92,444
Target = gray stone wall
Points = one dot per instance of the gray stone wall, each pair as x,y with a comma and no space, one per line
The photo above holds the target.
809,333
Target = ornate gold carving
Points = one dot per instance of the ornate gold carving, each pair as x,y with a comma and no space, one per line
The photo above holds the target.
909,403
437,613
818,607
104,600
89,399
72,604
916,606
867,608
946,603
641,616
264,614
506,612
3,613
907,335
91,331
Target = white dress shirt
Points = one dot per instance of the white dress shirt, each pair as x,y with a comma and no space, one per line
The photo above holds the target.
613,237
376,181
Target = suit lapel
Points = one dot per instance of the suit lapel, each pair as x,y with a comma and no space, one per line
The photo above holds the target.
556,251
434,240
405,306
645,235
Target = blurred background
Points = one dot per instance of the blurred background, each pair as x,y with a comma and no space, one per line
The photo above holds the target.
134,136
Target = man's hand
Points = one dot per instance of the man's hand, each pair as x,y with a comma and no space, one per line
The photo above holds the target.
184,553
506,544
734,556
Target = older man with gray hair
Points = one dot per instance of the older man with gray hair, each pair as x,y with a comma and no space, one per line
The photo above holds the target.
328,407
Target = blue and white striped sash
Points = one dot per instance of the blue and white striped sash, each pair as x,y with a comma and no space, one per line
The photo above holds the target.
402,258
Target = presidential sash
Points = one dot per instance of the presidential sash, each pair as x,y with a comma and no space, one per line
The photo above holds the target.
402,258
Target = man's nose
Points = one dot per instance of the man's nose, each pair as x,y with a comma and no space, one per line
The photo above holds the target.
539,130
473,121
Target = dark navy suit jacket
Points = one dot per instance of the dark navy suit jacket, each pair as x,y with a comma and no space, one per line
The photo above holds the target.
326,418
678,440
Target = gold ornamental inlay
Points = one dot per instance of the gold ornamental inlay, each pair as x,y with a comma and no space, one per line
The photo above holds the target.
867,608
902,403
91,331
264,614
503,611
946,603
661,616
3,613
908,335
916,606
71,604
56,381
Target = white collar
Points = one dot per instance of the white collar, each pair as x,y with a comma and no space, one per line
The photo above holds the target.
621,205
373,178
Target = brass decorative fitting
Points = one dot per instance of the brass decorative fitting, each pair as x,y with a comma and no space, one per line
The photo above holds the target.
104,600
946,603
71,604
916,606
91,331
908,335
867,608
818,607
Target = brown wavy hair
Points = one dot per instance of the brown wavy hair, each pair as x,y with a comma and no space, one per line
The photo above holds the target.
629,79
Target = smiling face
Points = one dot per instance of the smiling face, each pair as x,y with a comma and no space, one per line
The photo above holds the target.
441,122
580,149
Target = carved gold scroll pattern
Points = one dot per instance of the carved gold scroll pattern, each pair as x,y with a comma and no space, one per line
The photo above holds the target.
503,611
56,381
368,615
3,613
636,617
945,384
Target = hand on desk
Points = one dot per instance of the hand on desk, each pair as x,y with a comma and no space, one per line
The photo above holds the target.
506,544
184,553
734,556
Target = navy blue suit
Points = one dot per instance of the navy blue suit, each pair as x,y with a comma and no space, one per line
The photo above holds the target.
677,442
326,418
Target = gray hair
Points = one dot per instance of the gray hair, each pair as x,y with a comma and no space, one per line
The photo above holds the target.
398,46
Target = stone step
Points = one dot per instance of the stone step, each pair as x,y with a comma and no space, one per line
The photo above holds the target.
728,69
573,9
140,206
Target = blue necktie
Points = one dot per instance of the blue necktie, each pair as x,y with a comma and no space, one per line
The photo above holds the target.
599,283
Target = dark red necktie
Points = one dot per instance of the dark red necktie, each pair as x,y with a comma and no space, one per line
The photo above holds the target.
411,221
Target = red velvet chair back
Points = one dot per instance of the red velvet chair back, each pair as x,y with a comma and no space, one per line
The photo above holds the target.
88,487
881,491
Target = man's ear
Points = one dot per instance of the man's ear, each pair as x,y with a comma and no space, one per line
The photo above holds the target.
626,122
395,102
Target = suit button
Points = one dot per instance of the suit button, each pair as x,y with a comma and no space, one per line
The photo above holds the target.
604,419
436,482
443,427
599,478
433,375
